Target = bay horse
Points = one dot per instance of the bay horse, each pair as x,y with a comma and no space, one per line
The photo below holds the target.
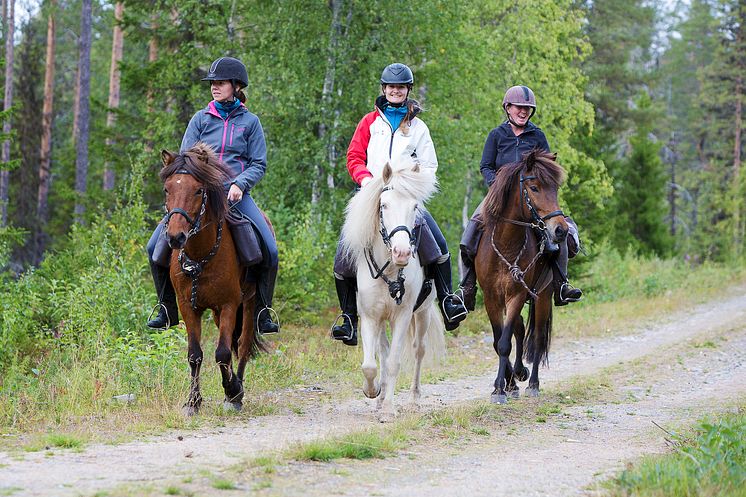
523,225
205,271
378,237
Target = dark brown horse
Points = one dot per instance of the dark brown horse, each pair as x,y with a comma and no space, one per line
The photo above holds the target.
523,225
205,270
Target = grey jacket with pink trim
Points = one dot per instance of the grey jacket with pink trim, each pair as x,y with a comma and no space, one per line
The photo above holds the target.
238,140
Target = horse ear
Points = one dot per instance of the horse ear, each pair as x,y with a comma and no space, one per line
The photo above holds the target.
387,173
167,157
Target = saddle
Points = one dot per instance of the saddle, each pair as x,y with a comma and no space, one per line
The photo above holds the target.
245,239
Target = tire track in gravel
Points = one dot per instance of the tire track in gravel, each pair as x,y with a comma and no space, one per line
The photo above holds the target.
157,461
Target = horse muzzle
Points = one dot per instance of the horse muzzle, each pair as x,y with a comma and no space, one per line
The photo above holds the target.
556,233
177,241
400,256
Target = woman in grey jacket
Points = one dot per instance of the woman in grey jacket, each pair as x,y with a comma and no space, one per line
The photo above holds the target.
237,137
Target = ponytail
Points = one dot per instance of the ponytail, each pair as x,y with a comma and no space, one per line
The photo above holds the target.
239,94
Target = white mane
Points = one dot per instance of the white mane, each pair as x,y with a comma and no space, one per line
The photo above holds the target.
362,223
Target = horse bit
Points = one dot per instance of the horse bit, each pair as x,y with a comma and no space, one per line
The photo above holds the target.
396,287
539,224
190,267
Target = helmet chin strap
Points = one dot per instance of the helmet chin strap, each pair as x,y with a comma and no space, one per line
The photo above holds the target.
511,121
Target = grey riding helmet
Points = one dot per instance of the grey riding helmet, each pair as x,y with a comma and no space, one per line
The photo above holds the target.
520,95
228,69
397,74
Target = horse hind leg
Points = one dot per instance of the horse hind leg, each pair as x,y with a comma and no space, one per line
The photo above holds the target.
232,385
418,328
540,329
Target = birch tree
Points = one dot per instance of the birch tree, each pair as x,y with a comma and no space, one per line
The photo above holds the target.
83,113
7,104
114,79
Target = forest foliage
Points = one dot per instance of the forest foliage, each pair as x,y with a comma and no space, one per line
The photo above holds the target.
642,105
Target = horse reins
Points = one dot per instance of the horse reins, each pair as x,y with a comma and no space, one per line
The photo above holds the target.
539,224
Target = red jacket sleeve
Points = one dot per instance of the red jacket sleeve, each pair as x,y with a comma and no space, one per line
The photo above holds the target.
357,152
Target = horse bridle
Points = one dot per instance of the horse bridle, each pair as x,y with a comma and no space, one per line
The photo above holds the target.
538,222
189,266
396,287
194,224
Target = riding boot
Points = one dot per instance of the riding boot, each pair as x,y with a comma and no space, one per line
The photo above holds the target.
347,294
469,245
564,292
265,289
168,312
451,305
468,286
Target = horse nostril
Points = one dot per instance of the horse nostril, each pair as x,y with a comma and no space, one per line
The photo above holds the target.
177,241
560,233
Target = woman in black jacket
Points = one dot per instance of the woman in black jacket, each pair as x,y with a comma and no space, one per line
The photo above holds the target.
507,144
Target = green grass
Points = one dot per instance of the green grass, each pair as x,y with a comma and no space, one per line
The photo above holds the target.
223,484
709,462
366,444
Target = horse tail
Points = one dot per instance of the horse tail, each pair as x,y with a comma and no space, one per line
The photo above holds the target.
256,344
434,340
536,342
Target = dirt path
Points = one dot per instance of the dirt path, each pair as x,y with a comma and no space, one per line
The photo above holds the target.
563,456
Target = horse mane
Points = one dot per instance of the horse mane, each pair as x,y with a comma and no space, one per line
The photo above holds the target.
362,222
537,163
203,164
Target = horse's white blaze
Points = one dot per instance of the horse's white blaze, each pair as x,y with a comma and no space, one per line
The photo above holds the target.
412,332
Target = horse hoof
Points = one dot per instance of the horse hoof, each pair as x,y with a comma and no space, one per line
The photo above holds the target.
499,398
515,394
229,406
521,374
369,392
532,392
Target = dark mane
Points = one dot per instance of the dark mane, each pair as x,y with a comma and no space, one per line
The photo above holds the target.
201,162
537,163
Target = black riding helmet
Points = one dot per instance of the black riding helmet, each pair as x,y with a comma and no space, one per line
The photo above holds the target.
397,74
228,69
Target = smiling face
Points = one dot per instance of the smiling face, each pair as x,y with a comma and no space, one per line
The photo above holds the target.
395,94
519,114
222,91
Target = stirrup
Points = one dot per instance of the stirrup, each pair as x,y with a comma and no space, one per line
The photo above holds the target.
460,299
334,325
156,310
272,313
570,299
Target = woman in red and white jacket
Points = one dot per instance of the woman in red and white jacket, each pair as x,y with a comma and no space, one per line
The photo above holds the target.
392,132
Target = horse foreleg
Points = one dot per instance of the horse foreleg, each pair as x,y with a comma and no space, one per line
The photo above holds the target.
369,332
223,356
384,347
194,356
391,365
520,371
503,343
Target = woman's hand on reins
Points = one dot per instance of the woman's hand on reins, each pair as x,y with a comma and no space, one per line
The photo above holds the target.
235,194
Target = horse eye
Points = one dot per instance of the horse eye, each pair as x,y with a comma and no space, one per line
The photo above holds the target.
533,188
200,191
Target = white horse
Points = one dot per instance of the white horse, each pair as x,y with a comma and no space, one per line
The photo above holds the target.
378,237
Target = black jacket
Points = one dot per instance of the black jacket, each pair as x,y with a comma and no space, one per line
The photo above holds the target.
503,147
